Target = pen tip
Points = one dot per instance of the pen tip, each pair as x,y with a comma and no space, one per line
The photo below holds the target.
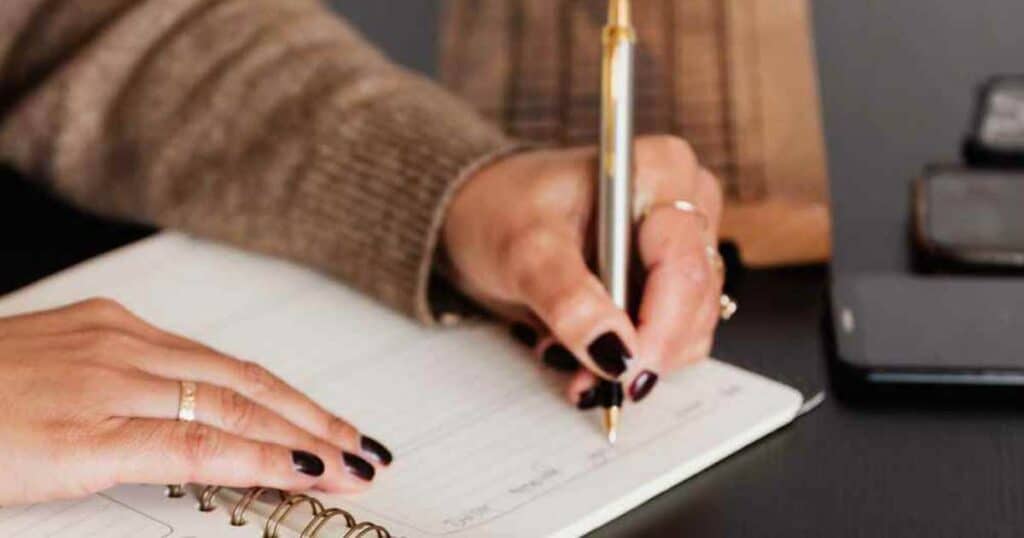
611,424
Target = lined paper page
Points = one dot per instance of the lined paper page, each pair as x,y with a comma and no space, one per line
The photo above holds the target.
90,517
124,512
485,443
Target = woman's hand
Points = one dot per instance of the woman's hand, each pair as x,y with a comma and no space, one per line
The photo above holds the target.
520,236
89,399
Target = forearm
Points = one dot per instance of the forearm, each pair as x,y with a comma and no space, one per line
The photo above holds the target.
266,123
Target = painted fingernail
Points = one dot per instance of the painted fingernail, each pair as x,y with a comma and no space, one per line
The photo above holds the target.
588,399
559,358
525,334
306,463
376,450
610,354
358,466
643,385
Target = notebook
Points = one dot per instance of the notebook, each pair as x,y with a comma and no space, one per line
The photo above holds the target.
484,442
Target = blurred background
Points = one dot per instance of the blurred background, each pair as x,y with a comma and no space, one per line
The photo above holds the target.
896,82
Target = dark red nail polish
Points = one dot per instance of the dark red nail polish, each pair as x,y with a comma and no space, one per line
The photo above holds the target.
610,354
376,450
559,358
306,463
643,385
588,399
524,334
358,466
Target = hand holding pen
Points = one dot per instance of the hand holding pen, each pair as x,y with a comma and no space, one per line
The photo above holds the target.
520,240
523,233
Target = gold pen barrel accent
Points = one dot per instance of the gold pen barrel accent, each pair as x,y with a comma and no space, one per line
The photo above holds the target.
620,13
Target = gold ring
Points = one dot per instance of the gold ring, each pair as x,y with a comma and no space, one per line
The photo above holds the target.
727,307
682,206
187,402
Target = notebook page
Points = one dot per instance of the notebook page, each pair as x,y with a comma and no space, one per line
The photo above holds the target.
94,516
126,512
485,444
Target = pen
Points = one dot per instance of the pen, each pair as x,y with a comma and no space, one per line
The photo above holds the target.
615,179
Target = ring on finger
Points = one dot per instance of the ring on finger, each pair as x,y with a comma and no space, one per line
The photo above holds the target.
186,413
681,206
727,307
187,402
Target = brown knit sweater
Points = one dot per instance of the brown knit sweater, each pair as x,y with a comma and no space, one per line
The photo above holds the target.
265,123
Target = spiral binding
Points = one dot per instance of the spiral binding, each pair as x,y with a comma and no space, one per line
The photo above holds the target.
321,514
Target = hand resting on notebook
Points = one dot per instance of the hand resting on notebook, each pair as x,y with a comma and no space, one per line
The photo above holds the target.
519,237
90,401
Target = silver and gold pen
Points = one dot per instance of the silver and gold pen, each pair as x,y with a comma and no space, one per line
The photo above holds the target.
615,189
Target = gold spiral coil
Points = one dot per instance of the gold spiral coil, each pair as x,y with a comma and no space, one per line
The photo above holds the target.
175,491
285,508
363,529
242,506
312,530
206,498
321,515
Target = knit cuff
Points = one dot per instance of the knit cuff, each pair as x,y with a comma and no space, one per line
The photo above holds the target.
376,193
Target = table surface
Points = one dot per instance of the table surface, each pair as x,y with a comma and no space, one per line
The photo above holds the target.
903,468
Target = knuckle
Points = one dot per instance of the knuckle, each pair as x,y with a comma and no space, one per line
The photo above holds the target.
108,343
339,430
697,270
199,444
268,458
104,308
239,411
667,148
521,248
569,309
529,255
257,379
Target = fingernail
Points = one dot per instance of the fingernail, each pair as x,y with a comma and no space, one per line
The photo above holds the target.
643,385
376,450
609,394
559,358
610,354
525,334
306,463
358,466
588,399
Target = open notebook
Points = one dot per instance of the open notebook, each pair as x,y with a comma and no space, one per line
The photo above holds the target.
484,443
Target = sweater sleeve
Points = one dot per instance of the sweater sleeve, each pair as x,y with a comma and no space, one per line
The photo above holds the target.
269,124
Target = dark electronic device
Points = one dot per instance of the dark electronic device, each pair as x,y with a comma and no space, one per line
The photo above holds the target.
945,316
903,329
969,219
997,137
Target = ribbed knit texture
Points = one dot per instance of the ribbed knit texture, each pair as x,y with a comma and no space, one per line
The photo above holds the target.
269,124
